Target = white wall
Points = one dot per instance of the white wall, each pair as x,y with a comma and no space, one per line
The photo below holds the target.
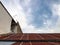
5,21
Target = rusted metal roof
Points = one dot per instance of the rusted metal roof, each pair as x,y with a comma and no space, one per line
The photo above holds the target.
36,43
32,37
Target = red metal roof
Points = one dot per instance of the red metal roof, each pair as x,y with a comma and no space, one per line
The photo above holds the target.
31,37
36,43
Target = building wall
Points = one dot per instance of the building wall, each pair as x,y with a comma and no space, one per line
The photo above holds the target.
5,21
19,28
16,28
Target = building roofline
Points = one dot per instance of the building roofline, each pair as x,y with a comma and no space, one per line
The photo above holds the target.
10,15
7,11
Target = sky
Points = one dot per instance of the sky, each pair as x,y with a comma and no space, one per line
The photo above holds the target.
35,16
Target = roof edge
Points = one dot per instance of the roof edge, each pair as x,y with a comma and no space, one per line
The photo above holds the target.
7,11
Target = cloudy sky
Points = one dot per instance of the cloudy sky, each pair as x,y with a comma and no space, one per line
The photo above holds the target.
35,16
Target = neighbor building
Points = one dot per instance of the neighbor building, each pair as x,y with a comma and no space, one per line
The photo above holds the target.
7,22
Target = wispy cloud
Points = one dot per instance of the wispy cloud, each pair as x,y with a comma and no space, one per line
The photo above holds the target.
56,11
35,16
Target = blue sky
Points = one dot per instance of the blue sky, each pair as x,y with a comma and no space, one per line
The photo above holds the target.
35,16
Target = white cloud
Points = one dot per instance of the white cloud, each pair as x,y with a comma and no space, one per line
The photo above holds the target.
17,11
56,9
27,2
